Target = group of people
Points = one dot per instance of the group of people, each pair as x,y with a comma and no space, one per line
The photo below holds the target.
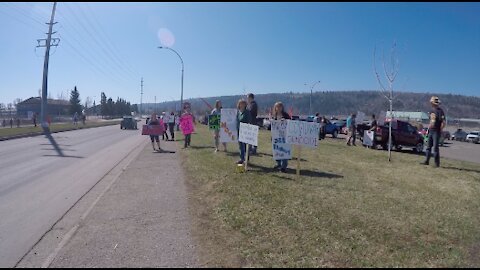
11,121
169,121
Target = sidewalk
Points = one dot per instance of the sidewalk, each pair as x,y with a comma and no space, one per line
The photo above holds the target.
141,221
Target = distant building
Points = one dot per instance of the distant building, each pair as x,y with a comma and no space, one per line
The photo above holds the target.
55,107
409,116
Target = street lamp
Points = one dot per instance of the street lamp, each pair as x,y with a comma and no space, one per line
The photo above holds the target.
181,60
311,93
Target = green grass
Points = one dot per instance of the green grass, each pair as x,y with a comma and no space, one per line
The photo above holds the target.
9,132
350,208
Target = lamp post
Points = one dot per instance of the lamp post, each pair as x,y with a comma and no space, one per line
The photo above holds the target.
181,60
311,93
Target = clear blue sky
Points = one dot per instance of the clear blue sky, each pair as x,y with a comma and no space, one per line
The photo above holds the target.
262,47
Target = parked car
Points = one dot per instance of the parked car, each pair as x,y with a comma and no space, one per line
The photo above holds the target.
473,137
330,128
403,135
446,135
128,122
459,135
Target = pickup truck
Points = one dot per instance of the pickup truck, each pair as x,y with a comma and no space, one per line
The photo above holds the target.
403,135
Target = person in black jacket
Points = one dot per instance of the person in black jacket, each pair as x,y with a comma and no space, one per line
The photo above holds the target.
437,123
280,114
252,107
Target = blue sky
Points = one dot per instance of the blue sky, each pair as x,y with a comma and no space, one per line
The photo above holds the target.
229,47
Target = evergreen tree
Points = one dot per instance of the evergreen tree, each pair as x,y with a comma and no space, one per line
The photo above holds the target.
75,106
103,104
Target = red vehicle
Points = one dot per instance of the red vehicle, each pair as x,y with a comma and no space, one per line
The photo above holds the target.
403,135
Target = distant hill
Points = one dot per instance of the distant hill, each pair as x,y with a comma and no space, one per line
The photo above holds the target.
343,103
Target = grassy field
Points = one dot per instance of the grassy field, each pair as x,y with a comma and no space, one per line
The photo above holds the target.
350,208
8,132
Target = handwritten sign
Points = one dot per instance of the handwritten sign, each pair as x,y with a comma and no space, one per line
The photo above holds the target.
303,133
281,150
368,138
166,118
248,134
186,124
228,126
214,121
153,130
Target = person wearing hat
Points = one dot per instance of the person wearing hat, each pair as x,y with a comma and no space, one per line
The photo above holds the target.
437,123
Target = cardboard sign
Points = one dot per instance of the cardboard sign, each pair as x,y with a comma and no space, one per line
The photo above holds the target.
303,133
360,117
186,124
281,150
228,126
368,138
165,118
214,121
153,130
248,134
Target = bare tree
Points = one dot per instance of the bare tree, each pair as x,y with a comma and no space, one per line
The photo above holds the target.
390,73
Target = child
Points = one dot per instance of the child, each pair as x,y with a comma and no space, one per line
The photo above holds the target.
186,124
280,114
243,116
216,132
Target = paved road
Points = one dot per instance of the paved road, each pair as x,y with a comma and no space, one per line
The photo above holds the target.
42,177
461,150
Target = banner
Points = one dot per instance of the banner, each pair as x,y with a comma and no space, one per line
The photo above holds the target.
153,130
228,126
280,150
186,124
368,138
303,133
248,134
214,121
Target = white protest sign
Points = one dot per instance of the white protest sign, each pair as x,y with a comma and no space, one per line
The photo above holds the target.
368,138
360,117
280,150
303,133
166,117
248,134
381,118
228,126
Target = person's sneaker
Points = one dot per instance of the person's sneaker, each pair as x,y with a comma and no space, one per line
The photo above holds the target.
349,144
240,162
424,163
277,167
283,170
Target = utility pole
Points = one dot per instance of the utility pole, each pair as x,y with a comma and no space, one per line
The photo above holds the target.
141,97
155,110
48,43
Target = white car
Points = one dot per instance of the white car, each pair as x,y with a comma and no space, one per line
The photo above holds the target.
473,137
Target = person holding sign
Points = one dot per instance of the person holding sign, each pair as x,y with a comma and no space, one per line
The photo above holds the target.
154,122
243,116
216,131
186,125
280,114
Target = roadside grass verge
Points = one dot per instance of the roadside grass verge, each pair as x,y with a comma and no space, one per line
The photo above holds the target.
350,208
30,130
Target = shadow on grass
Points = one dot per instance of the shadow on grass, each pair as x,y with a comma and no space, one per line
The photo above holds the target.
461,169
291,171
201,147
164,152
55,145
260,154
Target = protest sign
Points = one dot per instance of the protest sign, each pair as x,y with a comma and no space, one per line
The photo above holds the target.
302,133
360,117
166,118
214,121
186,124
248,134
153,130
368,138
281,150
228,126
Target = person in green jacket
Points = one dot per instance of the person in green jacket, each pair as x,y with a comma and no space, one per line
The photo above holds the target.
243,116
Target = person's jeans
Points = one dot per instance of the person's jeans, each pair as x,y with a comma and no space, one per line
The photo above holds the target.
252,149
433,141
352,134
171,127
243,150
188,139
283,163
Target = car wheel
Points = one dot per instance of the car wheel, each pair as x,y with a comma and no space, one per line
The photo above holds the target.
335,134
418,148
